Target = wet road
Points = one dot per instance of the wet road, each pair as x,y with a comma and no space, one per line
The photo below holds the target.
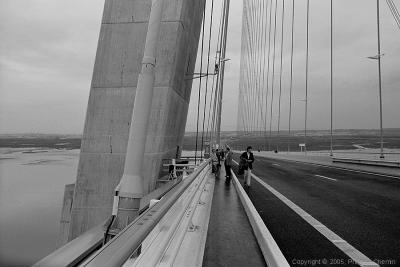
356,211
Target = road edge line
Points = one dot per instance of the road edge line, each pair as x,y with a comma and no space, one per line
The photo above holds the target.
343,245
335,167
273,256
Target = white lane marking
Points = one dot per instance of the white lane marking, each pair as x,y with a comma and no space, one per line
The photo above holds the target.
324,177
338,168
339,242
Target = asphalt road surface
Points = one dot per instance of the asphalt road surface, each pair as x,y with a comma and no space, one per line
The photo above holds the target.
363,210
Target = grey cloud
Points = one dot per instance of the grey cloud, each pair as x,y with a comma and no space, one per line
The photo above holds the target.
48,48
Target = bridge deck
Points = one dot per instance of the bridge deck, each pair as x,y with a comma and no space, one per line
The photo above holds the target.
329,208
230,238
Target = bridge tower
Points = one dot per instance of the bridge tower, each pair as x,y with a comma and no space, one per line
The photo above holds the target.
116,69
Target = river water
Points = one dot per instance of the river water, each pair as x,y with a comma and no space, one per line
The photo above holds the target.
31,192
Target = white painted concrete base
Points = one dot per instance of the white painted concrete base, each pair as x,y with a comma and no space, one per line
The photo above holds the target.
272,254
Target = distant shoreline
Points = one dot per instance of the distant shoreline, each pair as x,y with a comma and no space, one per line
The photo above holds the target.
41,142
345,139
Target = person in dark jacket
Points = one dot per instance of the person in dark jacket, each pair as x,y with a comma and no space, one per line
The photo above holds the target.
214,161
218,153
228,163
248,159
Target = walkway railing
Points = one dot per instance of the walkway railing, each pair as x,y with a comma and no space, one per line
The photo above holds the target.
123,246
384,163
87,249
173,231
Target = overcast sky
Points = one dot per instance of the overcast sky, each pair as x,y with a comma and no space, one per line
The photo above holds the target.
48,47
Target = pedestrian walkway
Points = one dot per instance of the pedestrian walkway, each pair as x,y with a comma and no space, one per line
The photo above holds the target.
230,238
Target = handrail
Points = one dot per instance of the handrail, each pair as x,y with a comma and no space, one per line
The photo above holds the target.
121,247
165,242
76,250
86,244
384,163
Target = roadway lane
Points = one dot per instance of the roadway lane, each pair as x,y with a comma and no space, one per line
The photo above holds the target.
362,209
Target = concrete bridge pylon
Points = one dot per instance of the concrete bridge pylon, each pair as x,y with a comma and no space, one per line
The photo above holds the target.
115,76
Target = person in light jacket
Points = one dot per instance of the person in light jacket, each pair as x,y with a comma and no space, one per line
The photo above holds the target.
248,158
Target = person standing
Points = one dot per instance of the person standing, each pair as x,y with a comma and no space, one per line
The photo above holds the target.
214,162
228,163
222,154
248,159
218,153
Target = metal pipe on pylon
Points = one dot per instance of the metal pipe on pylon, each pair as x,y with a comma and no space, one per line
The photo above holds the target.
222,70
131,185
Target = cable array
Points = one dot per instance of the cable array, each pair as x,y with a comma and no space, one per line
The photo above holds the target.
208,127
259,73
261,79
262,66
394,11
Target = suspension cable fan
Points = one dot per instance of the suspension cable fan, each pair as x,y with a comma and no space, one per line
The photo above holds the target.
208,65
307,59
394,11
273,73
291,76
201,71
280,75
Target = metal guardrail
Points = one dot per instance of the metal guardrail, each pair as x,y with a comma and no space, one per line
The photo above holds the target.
75,251
179,237
384,163
117,251
361,152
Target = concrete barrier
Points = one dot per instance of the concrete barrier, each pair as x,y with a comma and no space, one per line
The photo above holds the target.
272,254
119,249
86,244
383,163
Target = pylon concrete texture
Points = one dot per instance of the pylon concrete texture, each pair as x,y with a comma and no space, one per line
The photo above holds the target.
66,214
117,66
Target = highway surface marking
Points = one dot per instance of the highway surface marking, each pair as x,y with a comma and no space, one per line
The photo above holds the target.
324,177
339,242
335,167
357,256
